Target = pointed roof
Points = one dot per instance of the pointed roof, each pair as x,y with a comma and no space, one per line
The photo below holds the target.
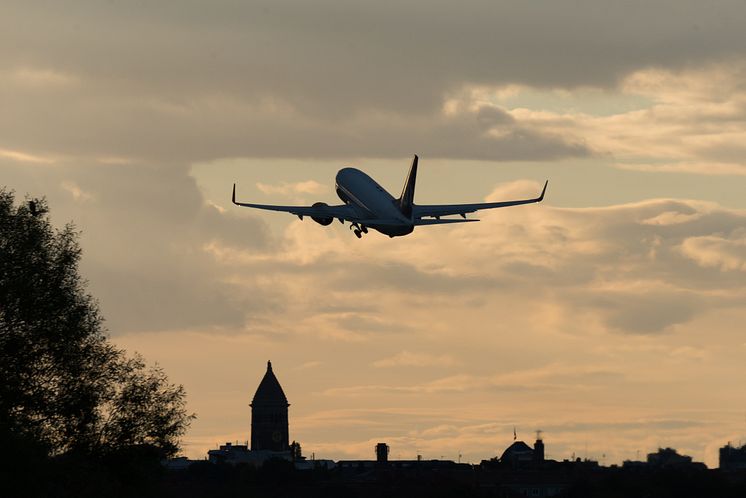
269,390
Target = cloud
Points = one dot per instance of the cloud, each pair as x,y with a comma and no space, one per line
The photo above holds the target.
647,312
257,81
41,78
672,218
688,353
642,268
216,127
409,359
306,187
24,157
142,232
78,194
728,253
310,55
623,264
309,364
552,377
487,95
701,168
687,120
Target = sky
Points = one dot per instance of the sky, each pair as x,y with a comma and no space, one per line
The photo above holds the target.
609,316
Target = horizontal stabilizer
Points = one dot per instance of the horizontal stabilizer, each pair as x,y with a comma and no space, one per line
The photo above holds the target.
441,222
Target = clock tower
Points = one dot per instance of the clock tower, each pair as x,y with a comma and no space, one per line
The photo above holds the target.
269,415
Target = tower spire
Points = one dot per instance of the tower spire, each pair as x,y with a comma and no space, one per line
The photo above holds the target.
269,415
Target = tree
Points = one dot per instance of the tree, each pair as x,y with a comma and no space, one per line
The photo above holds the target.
64,386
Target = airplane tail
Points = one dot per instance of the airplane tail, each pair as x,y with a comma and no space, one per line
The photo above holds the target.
406,201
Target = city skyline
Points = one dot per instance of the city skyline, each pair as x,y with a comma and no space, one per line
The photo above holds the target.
271,396
608,315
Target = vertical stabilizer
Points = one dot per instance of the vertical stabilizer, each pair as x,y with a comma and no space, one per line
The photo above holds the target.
406,201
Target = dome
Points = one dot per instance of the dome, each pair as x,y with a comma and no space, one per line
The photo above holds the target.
269,390
518,451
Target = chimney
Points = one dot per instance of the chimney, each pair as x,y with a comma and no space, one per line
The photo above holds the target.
539,449
382,453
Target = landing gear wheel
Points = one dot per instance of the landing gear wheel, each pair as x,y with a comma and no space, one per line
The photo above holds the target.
363,229
358,234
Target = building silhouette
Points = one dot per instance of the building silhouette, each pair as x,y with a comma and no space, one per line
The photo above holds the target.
668,457
520,455
269,429
269,415
664,458
382,453
517,454
733,458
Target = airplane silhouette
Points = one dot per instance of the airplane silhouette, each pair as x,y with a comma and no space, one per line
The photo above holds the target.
368,205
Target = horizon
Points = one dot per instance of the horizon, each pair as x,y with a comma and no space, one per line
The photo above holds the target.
607,316
459,458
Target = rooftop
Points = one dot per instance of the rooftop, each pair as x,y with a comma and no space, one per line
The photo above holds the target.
269,390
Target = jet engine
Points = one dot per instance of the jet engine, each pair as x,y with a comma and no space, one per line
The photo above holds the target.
319,220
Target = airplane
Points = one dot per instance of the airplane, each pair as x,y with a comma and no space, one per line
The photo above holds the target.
368,205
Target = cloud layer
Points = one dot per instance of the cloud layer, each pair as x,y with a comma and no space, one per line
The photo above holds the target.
128,82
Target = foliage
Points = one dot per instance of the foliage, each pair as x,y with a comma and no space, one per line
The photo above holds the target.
65,386
143,408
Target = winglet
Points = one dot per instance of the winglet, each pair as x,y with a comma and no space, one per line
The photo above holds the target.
541,197
233,198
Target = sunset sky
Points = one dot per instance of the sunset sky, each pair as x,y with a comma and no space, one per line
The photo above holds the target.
611,316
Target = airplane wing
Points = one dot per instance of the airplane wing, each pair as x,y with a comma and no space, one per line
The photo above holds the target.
420,222
437,210
342,212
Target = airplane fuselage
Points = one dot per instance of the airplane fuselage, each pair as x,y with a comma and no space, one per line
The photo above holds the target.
362,192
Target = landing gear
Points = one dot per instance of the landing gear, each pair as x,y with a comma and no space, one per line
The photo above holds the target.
359,230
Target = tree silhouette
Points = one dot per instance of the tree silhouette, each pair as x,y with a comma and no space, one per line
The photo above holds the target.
65,387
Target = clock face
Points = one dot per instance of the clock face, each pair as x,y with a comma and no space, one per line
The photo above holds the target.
276,436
